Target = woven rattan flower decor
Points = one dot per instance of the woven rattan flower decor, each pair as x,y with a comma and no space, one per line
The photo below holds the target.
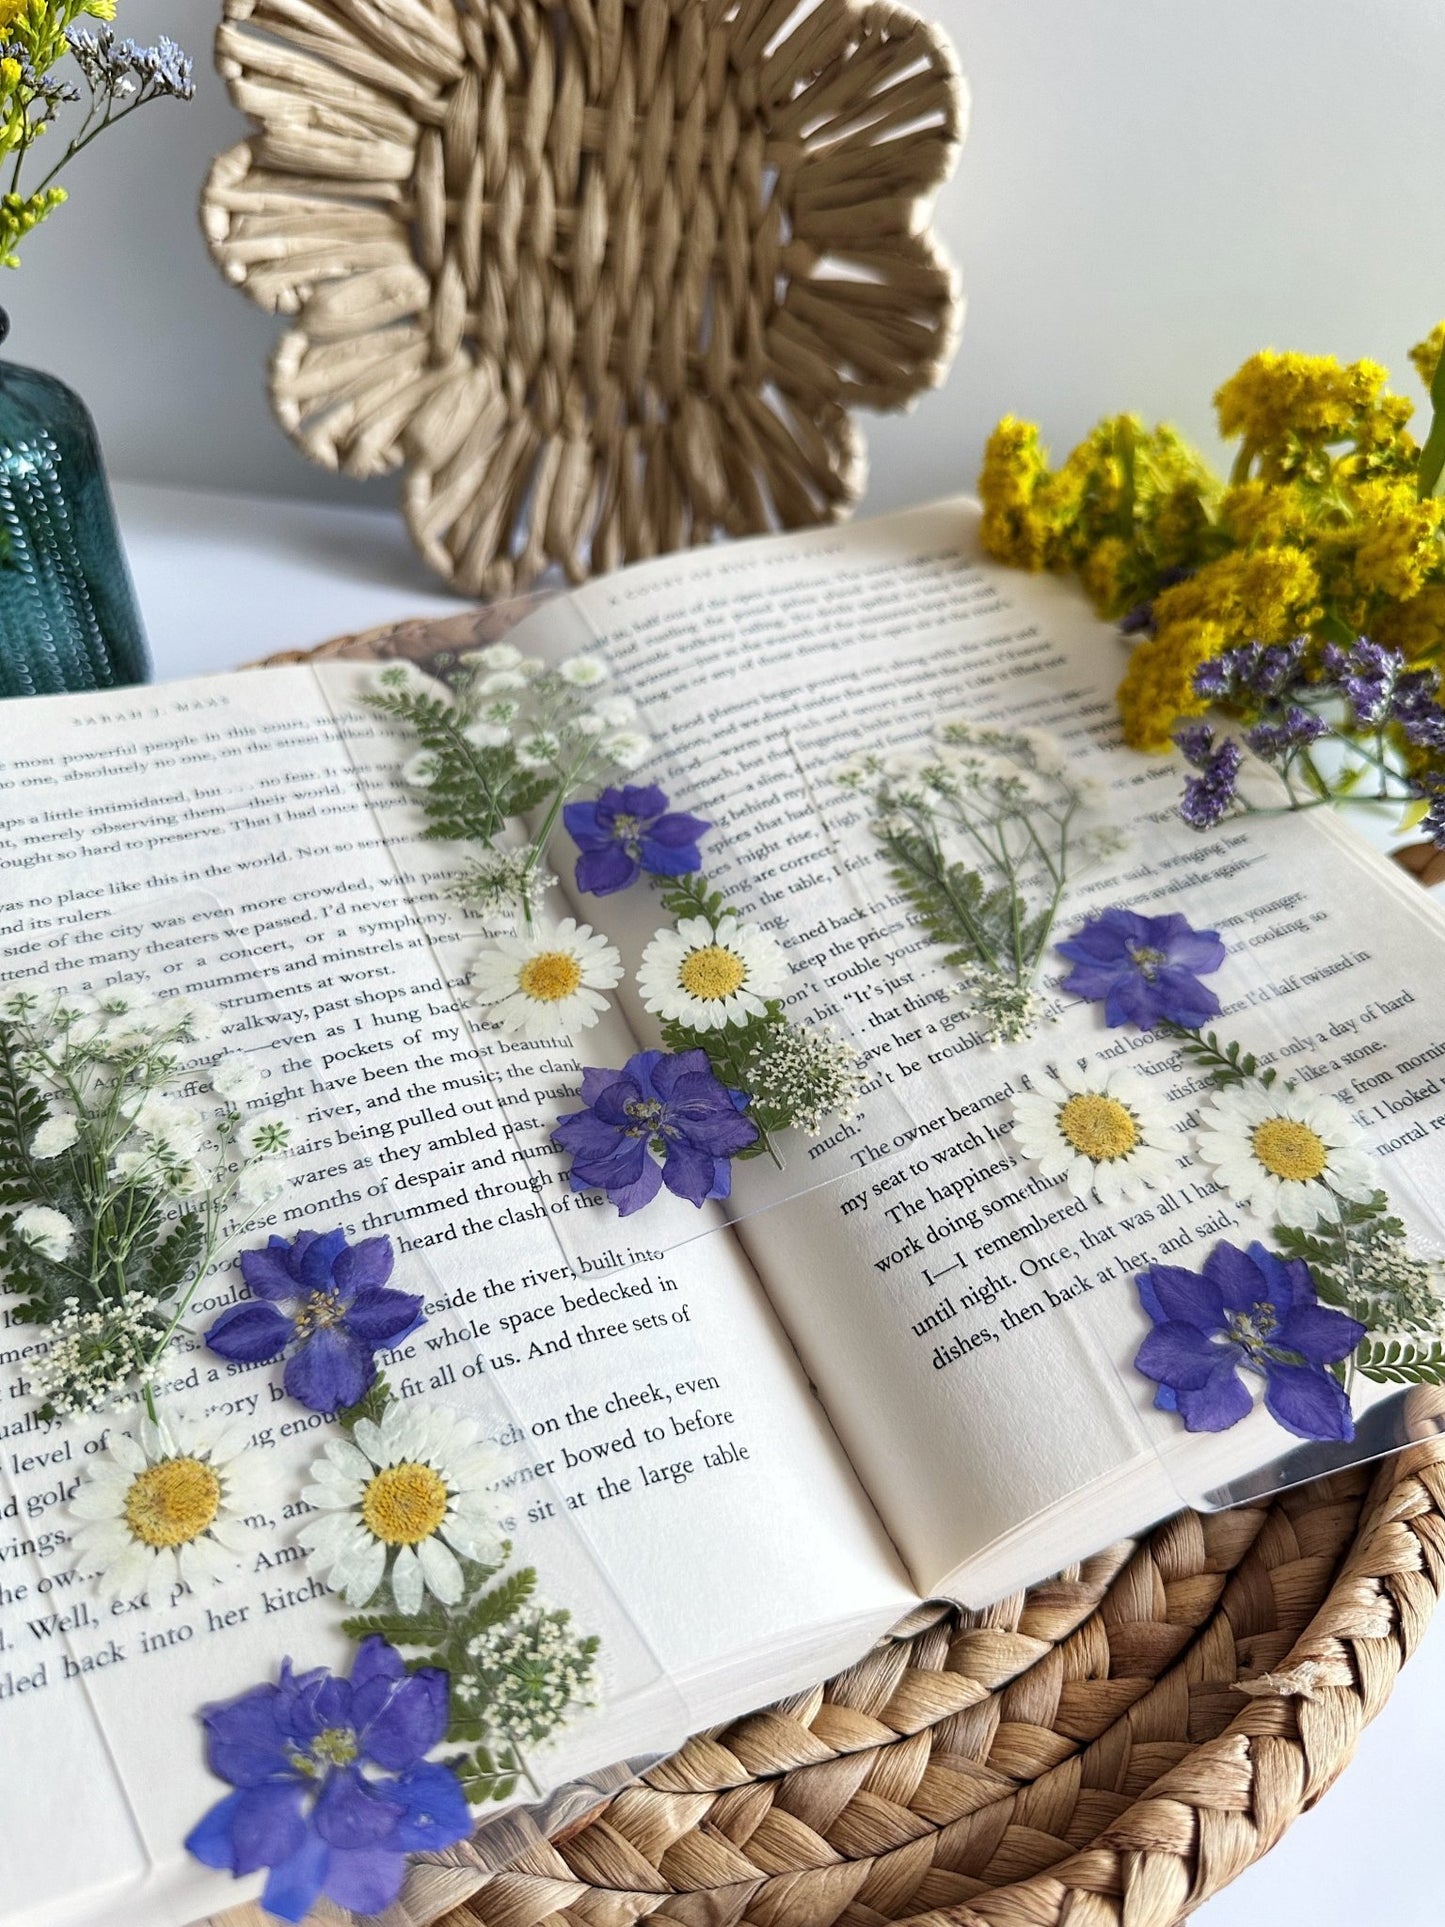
603,277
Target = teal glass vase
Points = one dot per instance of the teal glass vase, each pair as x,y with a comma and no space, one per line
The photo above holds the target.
68,615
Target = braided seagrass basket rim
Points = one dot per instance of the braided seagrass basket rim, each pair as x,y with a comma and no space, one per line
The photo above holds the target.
1107,1749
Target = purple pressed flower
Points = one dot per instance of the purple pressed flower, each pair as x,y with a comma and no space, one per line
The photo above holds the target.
1144,969
1208,797
1246,1310
345,1315
660,1120
1195,742
626,831
1366,675
333,1787
1418,714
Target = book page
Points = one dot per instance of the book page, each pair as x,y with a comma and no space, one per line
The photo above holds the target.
669,1459
969,1325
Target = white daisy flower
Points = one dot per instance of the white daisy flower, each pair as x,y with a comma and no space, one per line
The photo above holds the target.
411,1494
627,748
583,672
235,1079
165,1504
419,772
539,749
56,1134
1104,1132
49,1232
1288,1155
708,976
547,983
616,712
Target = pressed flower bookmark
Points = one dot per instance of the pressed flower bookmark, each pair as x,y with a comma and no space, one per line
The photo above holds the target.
1340,1294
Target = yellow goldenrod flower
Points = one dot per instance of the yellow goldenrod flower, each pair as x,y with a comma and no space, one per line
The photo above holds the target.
1417,627
1426,354
1158,686
1398,546
1014,463
1311,397
10,12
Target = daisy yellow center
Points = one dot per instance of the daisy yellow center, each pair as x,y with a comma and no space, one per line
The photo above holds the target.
712,973
172,1503
404,1504
1101,1128
550,976
1288,1149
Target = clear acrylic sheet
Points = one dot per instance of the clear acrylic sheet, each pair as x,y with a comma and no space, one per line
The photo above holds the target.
1259,1456
589,1231
640,1700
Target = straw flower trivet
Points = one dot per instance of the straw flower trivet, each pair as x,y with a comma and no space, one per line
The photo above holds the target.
605,278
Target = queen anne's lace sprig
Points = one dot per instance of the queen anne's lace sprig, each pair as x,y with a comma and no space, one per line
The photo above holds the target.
982,831
117,1197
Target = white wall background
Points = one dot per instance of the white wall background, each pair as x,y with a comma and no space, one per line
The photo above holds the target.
1149,192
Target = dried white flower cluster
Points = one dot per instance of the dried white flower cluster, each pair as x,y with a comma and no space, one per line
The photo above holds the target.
807,1072
529,1674
125,1176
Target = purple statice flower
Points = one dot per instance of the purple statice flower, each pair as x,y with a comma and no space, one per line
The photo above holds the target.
1252,673
1144,969
344,1317
1433,823
1417,710
1296,729
626,831
1366,674
1195,742
1209,796
660,1120
1246,1311
333,1787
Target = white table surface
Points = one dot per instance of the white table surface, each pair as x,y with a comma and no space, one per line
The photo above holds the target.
224,578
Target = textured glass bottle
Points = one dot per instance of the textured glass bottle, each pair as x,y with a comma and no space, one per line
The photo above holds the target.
68,617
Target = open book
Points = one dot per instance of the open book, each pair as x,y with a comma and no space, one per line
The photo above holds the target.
900,1371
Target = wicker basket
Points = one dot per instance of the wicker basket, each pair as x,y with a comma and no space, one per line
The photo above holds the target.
1105,1750
606,277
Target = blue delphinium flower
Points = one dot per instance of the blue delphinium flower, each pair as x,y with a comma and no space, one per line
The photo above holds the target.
626,831
1247,1310
306,1807
1143,969
660,1120
345,1315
